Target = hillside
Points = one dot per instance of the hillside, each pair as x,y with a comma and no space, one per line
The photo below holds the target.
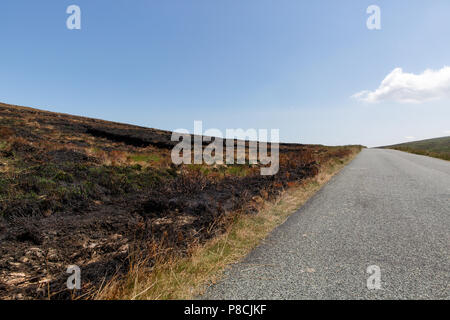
437,148
100,195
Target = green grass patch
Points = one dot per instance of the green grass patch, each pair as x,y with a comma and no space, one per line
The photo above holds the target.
145,158
3,145
237,170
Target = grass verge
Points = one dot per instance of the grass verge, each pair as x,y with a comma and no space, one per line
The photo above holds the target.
188,277
436,148
438,155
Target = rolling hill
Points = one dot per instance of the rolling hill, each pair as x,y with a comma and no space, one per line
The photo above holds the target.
437,148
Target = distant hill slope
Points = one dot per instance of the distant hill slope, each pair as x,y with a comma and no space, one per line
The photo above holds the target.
437,147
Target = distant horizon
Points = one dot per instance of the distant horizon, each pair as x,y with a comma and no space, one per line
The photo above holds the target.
191,132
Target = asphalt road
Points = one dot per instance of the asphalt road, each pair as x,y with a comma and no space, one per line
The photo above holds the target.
386,208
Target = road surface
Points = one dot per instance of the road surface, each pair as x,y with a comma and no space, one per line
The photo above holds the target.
387,209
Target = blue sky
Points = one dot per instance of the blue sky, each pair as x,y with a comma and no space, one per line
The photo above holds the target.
287,64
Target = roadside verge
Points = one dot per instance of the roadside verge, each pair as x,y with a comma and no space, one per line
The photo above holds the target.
188,277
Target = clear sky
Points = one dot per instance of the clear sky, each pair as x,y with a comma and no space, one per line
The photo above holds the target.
309,68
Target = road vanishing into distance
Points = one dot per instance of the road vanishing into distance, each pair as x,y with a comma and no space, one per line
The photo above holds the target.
386,208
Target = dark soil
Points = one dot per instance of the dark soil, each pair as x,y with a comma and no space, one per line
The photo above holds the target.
74,191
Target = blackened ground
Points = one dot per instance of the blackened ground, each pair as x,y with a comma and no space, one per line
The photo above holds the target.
97,194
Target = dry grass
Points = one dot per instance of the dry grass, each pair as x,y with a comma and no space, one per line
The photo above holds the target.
187,277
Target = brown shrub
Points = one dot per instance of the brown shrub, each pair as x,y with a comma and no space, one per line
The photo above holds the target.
21,145
117,157
6,133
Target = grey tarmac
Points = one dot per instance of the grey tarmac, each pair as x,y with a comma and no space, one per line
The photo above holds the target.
386,208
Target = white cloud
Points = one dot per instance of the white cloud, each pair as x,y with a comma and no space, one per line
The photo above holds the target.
402,87
410,138
447,132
